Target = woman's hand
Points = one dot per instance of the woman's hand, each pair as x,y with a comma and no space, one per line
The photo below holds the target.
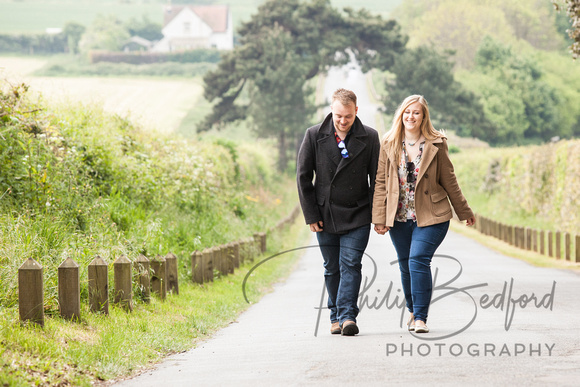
471,221
381,229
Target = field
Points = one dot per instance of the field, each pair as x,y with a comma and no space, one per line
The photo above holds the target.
34,16
157,104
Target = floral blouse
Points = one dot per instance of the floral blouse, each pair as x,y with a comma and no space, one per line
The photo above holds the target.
406,208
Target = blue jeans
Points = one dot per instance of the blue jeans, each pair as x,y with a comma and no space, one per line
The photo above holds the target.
342,255
415,248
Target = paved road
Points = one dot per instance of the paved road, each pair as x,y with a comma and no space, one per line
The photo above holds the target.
481,334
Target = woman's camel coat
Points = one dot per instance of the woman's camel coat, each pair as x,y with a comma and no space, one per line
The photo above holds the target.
436,185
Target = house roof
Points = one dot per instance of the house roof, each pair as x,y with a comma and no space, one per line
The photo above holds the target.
215,16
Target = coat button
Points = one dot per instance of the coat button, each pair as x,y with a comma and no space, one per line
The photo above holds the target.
333,186
426,175
331,202
426,192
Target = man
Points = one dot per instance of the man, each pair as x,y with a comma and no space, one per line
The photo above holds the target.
343,154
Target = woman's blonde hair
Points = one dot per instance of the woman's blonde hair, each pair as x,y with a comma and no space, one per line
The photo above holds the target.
394,137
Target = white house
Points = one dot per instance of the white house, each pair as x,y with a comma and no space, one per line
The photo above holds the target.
189,27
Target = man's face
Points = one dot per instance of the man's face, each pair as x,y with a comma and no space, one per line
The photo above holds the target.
343,116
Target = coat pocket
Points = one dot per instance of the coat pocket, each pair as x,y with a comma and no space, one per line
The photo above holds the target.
440,203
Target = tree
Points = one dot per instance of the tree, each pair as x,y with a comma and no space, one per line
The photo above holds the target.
285,44
106,33
520,79
73,32
144,28
573,11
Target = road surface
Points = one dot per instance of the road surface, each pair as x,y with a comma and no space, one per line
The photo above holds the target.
494,321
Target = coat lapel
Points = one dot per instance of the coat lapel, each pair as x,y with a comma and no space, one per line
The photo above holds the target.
327,141
355,144
429,153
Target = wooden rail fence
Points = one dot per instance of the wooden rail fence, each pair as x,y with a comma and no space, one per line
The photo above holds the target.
557,244
158,275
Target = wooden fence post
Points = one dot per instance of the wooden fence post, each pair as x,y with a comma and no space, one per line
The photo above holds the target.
158,279
261,242
558,244
244,251
223,264
567,243
250,247
216,259
172,273
511,239
197,267
230,257
550,243
577,248
123,285
528,238
31,292
98,286
535,240
207,257
236,252
69,290
142,266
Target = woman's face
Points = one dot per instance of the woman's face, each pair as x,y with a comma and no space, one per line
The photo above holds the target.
412,117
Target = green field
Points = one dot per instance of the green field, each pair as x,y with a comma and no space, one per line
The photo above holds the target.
34,16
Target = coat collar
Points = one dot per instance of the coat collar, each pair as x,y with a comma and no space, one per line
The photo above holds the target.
327,141
429,152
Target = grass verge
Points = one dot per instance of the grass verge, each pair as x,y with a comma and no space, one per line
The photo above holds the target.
101,348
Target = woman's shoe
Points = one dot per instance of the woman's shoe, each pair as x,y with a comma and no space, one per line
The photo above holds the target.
411,323
421,329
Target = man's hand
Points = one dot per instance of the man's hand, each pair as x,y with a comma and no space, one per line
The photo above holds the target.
316,227
381,229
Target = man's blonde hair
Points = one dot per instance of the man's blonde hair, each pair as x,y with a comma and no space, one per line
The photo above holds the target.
345,97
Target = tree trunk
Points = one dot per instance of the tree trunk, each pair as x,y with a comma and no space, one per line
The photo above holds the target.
282,155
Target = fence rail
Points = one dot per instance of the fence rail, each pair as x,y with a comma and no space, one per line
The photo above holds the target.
559,245
158,275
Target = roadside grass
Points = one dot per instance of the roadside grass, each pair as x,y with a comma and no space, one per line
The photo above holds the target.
101,348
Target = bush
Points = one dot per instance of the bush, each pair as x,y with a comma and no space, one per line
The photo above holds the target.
192,56
33,43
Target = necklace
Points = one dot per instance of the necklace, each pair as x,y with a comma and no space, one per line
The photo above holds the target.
412,143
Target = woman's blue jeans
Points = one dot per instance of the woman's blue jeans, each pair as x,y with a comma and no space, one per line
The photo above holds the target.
415,248
342,255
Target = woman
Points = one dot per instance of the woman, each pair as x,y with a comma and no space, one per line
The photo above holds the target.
414,184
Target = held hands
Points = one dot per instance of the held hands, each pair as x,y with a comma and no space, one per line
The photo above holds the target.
381,229
316,227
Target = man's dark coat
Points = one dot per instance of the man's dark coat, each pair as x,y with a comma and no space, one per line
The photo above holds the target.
341,196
